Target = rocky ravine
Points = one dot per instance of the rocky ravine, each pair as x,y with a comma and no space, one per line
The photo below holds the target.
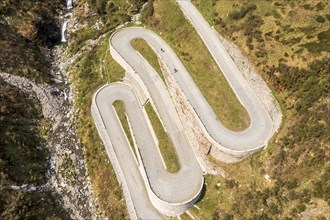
66,173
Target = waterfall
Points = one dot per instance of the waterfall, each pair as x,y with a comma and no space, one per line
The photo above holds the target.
64,27
63,39
69,4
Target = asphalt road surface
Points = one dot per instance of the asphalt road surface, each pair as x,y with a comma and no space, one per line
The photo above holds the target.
169,187
186,183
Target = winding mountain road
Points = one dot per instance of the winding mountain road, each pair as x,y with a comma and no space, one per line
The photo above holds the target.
149,189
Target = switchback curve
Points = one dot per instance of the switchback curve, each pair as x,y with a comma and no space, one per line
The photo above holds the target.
170,193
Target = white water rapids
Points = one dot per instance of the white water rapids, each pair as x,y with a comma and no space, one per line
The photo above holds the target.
69,4
63,38
65,23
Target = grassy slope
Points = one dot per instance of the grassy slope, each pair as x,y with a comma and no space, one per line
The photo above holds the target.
146,51
120,109
19,119
30,205
246,185
31,64
177,31
164,142
277,38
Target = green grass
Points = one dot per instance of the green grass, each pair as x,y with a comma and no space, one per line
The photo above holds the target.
147,52
120,109
66,169
164,142
177,31
185,216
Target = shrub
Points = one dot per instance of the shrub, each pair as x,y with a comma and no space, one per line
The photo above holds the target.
308,7
148,11
231,184
319,6
241,14
328,16
292,184
301,207
320,19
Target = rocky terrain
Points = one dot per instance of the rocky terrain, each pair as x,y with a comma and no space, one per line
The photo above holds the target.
31,63
48,142
41,41
66,173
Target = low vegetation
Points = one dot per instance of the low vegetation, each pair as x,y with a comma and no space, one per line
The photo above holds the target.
292,55
106,7
147,52
21,161
120,110
165,144
30,63
30,205
107,13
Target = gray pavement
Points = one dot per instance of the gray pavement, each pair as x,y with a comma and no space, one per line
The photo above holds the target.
172,188
260,129
104,99
186,184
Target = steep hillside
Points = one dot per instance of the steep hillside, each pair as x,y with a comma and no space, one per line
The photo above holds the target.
23,158
23,152
271,184
288,43
28,31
